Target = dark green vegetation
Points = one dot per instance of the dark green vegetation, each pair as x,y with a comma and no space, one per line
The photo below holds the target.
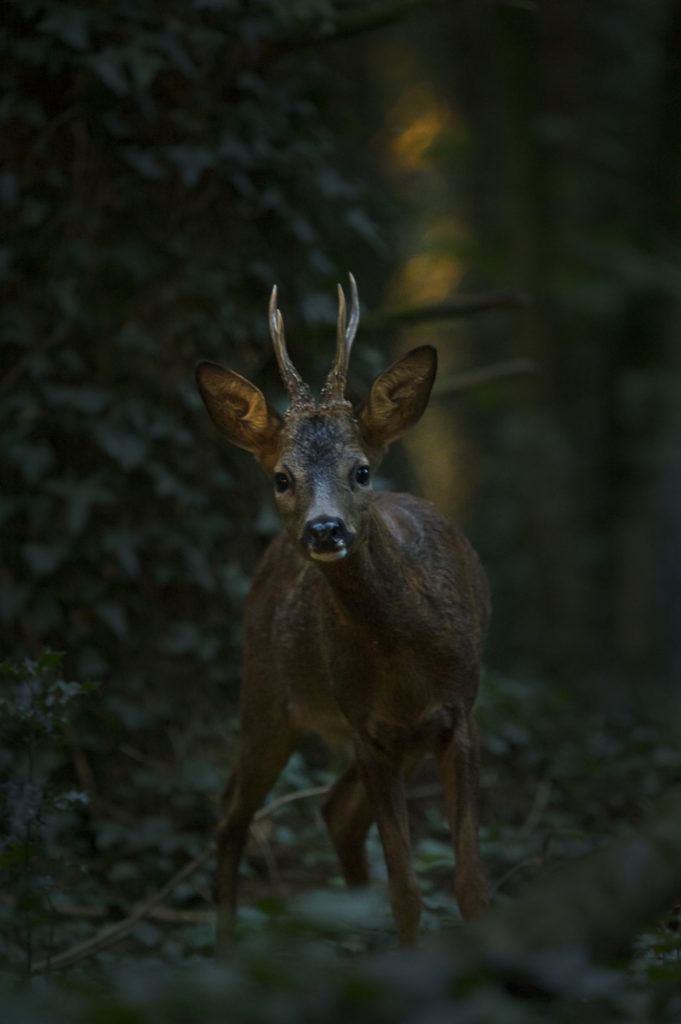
84,879
163,165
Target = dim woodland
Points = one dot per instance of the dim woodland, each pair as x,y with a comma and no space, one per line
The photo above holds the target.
502,181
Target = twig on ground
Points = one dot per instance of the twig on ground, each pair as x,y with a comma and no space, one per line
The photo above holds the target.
112,934
539,805
529,862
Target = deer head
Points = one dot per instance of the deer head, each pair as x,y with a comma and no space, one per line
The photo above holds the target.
321,457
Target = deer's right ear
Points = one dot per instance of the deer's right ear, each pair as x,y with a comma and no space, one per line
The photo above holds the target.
398,397
239,409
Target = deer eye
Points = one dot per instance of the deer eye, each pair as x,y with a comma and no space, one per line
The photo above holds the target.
362,474
281,482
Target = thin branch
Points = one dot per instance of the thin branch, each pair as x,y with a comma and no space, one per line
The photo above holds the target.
596,903
539,805
393,317
465,305
166,915
289,798
529,862
474,378
112,934
353,23
267,854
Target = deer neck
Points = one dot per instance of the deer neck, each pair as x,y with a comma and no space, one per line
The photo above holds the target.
365,583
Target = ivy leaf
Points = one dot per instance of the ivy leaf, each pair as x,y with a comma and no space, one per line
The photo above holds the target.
50,659
34,458
80,497
144,162
12,599
69,24
109,65
115,617
85,398
128,449
123,544
44,559
191,162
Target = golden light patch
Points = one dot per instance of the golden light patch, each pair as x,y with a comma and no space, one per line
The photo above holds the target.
429,277
414,123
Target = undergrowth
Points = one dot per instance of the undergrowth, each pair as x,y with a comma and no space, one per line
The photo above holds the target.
557,782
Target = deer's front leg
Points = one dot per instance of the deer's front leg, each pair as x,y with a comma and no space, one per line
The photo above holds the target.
381,773
267,740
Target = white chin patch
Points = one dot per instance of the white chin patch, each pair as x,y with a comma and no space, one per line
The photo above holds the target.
329,556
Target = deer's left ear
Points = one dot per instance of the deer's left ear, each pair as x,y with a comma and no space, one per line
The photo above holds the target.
398,397
239,409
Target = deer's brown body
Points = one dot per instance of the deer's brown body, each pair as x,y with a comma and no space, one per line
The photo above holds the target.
366,619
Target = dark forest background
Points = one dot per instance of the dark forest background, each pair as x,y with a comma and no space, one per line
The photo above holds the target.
503,180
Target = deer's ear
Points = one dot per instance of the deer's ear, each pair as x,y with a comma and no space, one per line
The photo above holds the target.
239,409
398,397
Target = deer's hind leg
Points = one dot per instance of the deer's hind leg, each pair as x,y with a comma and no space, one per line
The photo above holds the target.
267,741
348,815
458,764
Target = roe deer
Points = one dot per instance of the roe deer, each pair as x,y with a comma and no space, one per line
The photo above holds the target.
366,619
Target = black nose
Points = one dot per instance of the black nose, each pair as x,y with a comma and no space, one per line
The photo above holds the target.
326,536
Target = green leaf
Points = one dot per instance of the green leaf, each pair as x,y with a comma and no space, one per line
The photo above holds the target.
144,65
183,638
115,617
110,66
191,162
128,449
50,659
123,544
9,188
144,162
34,458
69,24
44,559
84,398
80,497
13,598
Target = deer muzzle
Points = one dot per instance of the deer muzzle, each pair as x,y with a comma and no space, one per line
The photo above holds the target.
326,538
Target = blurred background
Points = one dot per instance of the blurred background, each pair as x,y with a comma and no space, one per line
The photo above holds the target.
502,178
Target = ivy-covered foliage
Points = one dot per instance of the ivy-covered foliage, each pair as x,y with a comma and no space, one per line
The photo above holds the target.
164,164
38,808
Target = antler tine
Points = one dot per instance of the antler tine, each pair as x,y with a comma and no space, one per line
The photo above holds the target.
354,316
341,324
297,389
333,392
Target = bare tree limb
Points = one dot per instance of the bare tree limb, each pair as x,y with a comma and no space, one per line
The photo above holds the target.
474,378
352,23
465,305
393,317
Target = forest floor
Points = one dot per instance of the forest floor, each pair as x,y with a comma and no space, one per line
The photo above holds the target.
123,875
